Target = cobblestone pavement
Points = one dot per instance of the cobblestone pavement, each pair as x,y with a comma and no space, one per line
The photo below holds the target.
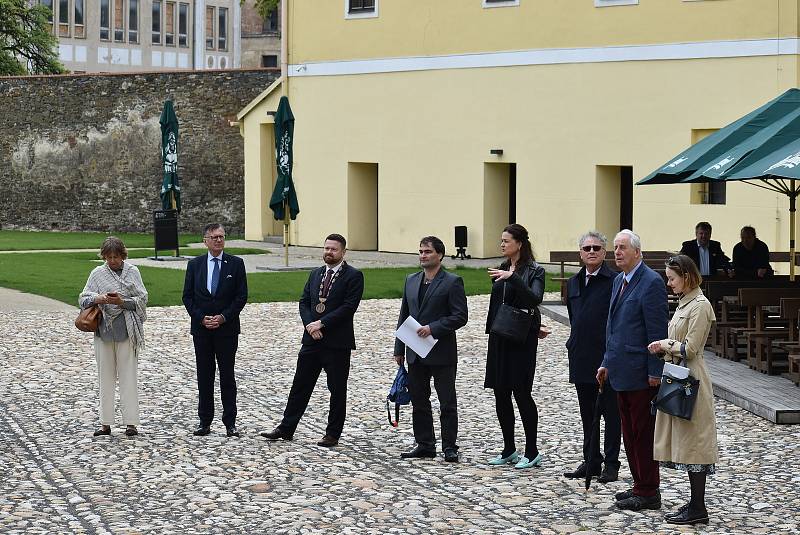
56,478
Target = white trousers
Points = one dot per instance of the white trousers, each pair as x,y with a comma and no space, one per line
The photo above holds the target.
117,360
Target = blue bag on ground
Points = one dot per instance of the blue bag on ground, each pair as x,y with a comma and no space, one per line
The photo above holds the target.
398,395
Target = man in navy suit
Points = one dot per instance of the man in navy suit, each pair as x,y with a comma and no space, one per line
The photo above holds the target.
706,253
637,313
214,293
330,299
588,297
436,299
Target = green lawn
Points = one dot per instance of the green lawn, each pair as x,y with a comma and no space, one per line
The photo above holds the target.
26,240
62,276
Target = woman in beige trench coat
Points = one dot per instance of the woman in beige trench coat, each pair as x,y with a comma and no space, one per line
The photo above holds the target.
688,445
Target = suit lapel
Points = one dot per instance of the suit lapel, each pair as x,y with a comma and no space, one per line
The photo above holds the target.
204,273
412,293
619,299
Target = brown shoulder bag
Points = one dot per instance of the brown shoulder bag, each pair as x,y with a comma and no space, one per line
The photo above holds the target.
89,319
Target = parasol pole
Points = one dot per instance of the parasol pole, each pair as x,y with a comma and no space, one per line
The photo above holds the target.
286,232
174,206
792,210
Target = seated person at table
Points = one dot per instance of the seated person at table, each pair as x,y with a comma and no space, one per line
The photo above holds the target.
706,253
751,256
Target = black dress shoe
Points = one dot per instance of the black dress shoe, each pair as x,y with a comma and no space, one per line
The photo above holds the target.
328,441
688,516
682,509
623,495
580,472
202,430
418,453
103,431
608,474
275,434
451,455
131,431
231,431
637,503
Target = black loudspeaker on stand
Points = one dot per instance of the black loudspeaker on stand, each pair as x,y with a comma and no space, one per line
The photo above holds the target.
461,243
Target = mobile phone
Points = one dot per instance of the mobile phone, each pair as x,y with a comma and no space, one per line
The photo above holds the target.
112,294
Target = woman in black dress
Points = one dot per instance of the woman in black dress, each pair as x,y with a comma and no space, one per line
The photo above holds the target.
510,366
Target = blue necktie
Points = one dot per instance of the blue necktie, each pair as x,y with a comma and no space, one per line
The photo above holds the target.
215,276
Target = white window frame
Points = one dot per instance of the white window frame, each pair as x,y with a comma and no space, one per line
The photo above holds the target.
609,3
368,15
506,3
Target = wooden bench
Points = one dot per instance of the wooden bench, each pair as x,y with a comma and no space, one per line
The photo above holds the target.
652,259
760,333
730,314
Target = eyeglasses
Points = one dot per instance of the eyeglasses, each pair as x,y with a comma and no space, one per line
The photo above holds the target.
595,248
215,238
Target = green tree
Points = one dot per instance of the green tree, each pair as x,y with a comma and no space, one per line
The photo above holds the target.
27,45
265,7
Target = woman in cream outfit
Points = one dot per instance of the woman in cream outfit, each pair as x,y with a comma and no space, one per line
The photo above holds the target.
688,445
117,288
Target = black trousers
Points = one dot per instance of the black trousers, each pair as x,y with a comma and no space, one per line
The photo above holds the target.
419,386
210,351
528,413
310,363
587,397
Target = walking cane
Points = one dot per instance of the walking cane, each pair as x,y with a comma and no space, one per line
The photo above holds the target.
595,436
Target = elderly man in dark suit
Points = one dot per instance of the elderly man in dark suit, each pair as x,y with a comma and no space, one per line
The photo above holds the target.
214,293
330,299
436,299
637,313
706,253
588,297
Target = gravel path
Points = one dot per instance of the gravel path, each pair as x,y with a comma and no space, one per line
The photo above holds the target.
56,478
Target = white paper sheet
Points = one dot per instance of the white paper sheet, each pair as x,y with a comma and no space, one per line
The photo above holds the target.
407,333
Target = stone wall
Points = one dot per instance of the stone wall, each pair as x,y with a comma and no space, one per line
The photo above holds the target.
83,152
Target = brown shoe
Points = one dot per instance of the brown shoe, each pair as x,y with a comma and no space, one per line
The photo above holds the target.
328,441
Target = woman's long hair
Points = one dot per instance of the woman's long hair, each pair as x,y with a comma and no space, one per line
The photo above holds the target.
520,234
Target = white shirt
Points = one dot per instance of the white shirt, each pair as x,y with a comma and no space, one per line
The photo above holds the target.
592,274
334,268
705,264
211,269
629,276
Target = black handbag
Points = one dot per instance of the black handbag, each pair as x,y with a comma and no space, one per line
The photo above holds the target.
677,393
512,323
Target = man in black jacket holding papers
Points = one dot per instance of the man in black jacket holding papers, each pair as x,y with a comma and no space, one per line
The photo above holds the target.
436,300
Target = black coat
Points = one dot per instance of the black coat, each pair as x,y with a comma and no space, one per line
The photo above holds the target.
587,307
229,300
340,306
444,309
508,364
716,258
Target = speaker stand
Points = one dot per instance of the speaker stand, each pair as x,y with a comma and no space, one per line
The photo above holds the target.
461,252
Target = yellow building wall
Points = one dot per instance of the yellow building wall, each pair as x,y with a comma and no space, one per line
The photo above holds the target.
431,132
319,31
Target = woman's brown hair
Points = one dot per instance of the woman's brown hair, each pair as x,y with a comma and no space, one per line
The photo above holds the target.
686,268
112,245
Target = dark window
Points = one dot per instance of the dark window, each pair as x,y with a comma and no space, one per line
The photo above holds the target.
63,18
133,21
269,61
222,29
271,23
716,192
183,25
80,30
156,29
361,6
104,20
